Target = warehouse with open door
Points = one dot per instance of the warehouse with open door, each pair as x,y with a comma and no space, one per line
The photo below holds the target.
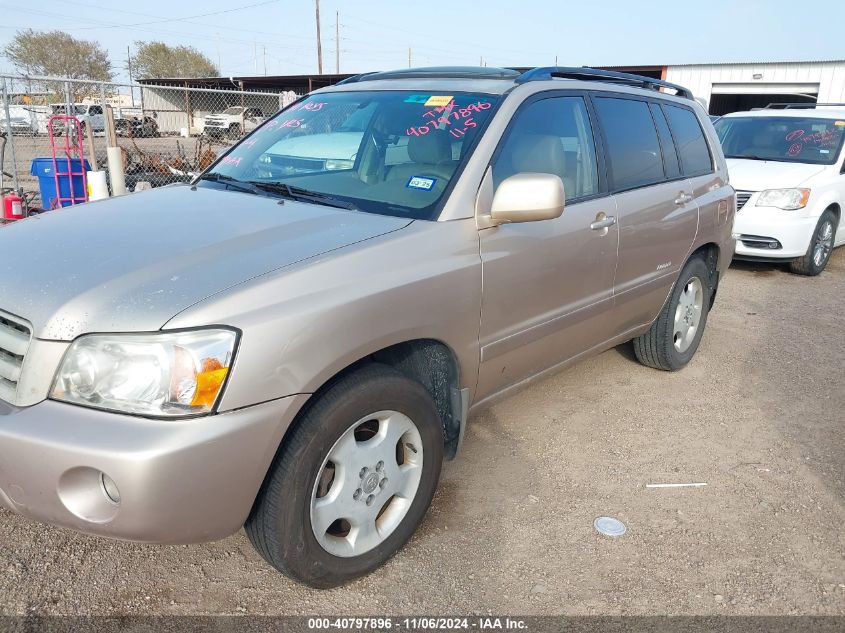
738,87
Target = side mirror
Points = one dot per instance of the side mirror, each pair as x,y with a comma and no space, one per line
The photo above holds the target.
528,197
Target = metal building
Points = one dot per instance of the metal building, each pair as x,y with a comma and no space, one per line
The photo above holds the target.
741,86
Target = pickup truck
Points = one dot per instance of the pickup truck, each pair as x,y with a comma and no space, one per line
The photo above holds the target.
87,113
233,121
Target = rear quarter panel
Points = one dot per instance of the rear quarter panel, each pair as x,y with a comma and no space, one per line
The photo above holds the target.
716,199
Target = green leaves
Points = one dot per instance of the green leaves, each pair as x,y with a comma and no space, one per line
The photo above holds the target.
157,59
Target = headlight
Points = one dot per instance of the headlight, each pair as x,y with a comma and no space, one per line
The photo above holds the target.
166,374
787,199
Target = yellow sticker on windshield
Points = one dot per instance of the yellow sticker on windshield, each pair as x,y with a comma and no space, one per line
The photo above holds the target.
439,100
839,122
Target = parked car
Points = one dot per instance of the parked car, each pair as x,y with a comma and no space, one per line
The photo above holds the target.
88,114
298,353
233,122
136,127
787,167
22,121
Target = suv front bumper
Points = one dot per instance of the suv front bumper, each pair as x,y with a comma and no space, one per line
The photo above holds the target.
179,481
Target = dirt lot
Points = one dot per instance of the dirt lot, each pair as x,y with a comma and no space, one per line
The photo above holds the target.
758,416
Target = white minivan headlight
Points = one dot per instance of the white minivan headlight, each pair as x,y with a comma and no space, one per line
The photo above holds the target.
787,199
165,374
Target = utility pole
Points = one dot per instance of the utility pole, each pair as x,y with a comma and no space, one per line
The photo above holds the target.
337,42
129,68
264,49
319,43
217,45
409,58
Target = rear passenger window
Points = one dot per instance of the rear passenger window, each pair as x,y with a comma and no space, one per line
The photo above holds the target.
633,148
552,136
670,156
689,138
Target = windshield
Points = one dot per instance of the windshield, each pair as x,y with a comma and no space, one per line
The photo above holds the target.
232,110
384,152
780,138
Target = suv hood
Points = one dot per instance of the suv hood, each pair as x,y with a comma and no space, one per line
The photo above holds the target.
132,263
756,175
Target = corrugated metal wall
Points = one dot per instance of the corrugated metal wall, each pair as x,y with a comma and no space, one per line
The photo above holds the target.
170,105
773,78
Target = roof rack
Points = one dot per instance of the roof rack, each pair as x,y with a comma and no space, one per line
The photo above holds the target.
438,72
354,78
798,106
595,74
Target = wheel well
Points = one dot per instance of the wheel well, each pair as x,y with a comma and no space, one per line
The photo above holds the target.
429,362
432,364
836,211
710,254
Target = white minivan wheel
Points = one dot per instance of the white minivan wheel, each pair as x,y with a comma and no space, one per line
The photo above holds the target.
818,253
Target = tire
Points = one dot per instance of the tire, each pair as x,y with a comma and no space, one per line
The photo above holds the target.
234,131
818,253
668,345
280,524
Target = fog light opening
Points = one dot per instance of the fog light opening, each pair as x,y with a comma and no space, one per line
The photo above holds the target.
109,488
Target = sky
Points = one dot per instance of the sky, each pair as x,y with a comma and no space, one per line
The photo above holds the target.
278,37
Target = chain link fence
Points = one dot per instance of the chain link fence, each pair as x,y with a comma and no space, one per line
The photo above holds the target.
166,134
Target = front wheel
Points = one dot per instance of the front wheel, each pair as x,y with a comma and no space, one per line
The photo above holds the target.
673,338
818,253
352,482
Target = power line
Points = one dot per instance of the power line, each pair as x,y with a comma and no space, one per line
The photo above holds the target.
159,31
204,24
187,17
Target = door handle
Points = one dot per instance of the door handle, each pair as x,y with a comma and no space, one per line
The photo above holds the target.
683,198
603,222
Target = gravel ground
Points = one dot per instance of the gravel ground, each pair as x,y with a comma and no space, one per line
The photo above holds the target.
758,416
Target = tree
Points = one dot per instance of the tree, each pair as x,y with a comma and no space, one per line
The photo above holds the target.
157,59
57,54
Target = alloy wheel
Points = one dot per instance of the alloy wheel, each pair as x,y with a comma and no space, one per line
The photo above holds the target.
823,243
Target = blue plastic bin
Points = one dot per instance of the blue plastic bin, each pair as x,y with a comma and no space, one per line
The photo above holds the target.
42,168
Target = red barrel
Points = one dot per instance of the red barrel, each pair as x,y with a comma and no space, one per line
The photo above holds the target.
12,207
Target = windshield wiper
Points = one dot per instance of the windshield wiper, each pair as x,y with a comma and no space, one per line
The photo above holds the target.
750,157
234,183
303,195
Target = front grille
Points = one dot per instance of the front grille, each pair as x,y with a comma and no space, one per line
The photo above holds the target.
742,198
14,343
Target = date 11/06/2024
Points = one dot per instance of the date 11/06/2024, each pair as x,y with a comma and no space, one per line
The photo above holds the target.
419,623
455,119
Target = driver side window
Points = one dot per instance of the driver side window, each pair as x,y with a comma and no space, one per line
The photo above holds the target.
552,136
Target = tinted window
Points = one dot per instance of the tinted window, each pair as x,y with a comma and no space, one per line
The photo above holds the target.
670,156
96,110
635,157
552,136
689,139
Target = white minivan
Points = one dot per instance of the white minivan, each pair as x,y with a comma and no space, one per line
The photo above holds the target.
787,168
